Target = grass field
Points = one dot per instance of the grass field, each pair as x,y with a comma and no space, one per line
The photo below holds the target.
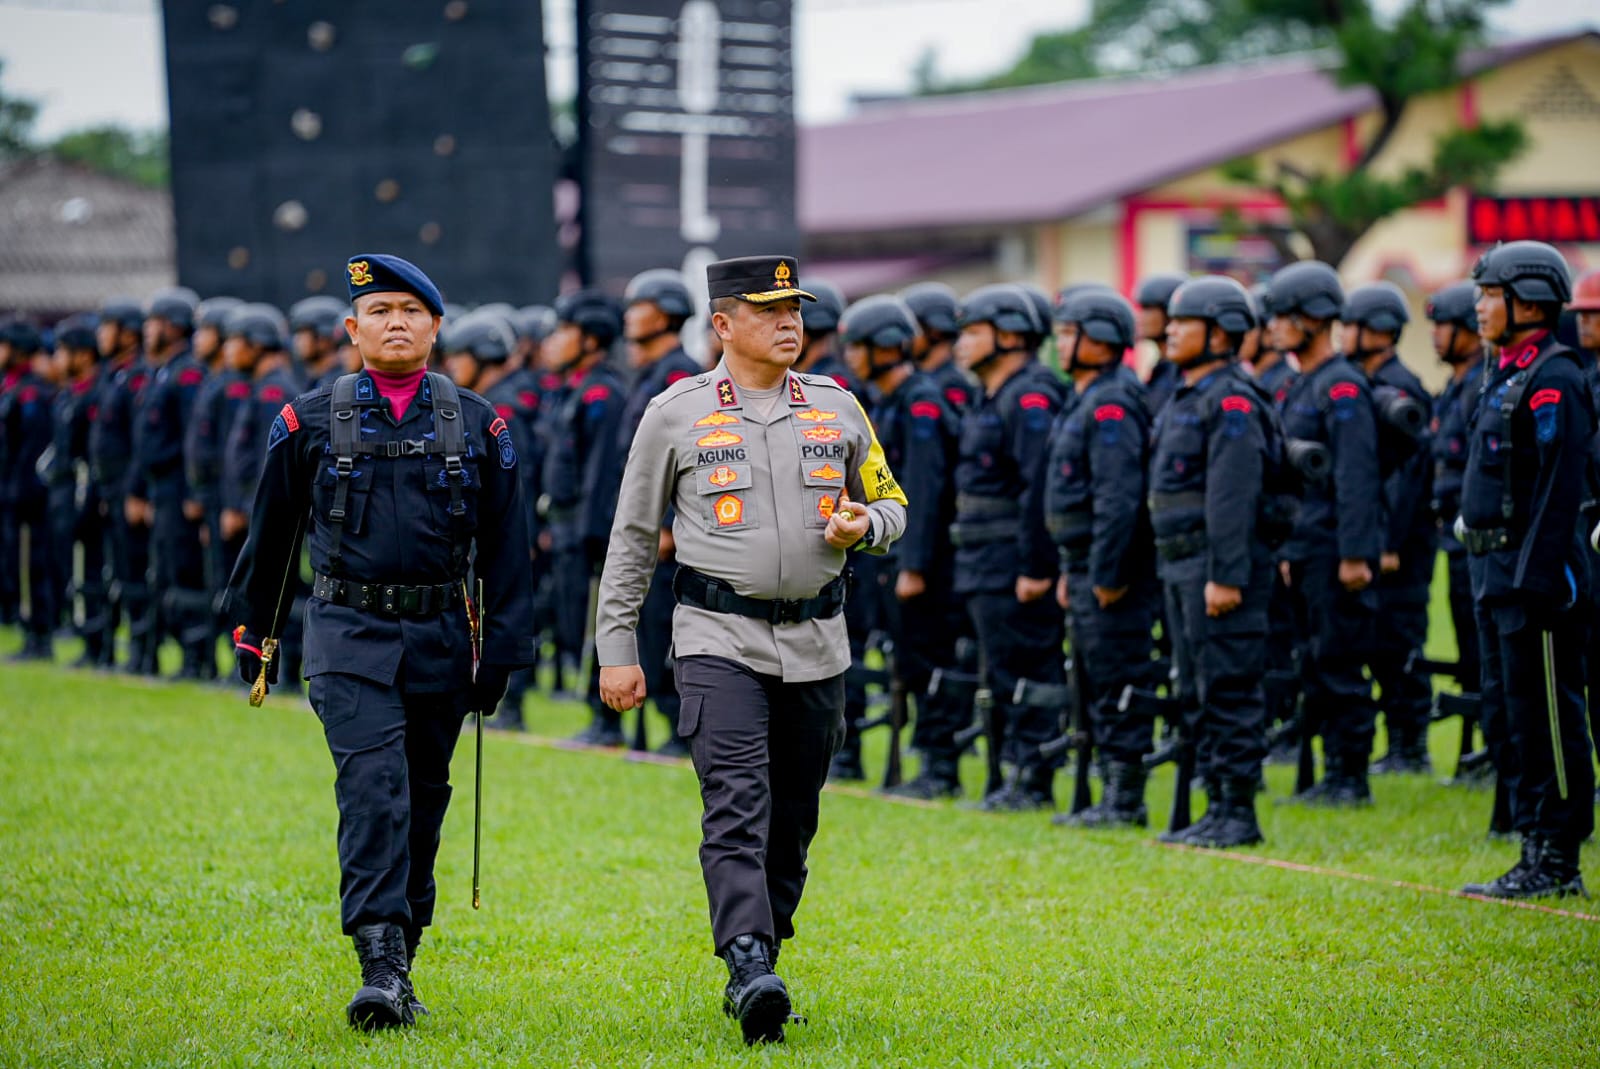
168,896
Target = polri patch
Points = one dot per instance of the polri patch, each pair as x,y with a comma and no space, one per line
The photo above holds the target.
1546,415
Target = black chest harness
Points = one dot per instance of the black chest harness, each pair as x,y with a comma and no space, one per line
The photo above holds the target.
1488,540
449,441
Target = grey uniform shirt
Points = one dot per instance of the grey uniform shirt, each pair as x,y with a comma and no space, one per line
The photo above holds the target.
753,493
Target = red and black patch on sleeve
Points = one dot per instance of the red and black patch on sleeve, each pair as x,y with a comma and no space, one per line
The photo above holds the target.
1034,401
1235,403
191,376
273,393
505,412
1344,391
924,410
596,393
290,420
956,396
497,426
1544,397
238,391
1109,413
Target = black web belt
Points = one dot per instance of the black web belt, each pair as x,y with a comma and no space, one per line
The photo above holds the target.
390,599
1181,546
1479,540
701,591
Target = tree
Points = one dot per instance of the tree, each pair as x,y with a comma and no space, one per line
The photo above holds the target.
1143,36
17,115
137,155
1418,53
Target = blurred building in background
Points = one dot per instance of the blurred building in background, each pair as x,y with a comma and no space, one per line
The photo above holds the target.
1111,180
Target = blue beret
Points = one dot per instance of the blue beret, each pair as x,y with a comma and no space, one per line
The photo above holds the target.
376,272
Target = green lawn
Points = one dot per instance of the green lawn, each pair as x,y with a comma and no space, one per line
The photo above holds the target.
168,896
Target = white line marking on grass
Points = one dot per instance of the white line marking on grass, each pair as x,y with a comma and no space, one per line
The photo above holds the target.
1361,877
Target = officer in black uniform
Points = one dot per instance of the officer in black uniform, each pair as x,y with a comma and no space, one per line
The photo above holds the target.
1585,309
1456,341
1004,572
911,597
580,474
316,328
205,436
1213,448
1275,370
11,371
1520,500
1153,295
110,455
395,510
1093,507
657,306
1371,322
74,502
934,304
478,352
819,354
1331,559
26,428
161,413
549,620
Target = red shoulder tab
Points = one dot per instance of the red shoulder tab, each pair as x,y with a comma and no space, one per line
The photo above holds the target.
1544,397
505,412
1109,412
956,396
497,426
1235,403
528,399
1034,400
924,410
272,393
597,392
290,420
1344,391
676,376
191,376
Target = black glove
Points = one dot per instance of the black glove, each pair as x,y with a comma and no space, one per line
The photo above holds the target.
247,649
486,691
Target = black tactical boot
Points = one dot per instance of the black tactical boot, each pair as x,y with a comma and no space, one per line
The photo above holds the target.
936,779
1235,824
1120,806
1509,883
1407,754
507,716
1186,836
384,1000
755,996
35,647
604,730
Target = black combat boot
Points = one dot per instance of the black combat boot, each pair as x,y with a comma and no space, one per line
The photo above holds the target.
1212,815
1121,805
384,1000
507,716
35,647
755,996
1509,883
1407,754
938,778
1235,823
1350,790
605,729
1545,869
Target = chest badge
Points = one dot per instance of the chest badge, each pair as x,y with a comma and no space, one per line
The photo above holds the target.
822,434
827,471
715,419
722,476
718,438
825,506
729,510
815,415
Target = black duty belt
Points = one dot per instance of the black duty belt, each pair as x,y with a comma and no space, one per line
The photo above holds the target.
1182,546
701,591
390,599
1183,499
986,506
1480,540
967,533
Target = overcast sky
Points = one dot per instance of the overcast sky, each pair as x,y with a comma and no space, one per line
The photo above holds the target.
90,61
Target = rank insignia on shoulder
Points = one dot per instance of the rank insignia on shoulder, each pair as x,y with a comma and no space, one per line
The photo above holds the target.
715,419
725,395
797,396
502,440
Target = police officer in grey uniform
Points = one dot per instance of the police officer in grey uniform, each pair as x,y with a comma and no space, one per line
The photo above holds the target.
774,477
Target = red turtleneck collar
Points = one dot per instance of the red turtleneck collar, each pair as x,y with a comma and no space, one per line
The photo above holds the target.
399,389
1523,353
